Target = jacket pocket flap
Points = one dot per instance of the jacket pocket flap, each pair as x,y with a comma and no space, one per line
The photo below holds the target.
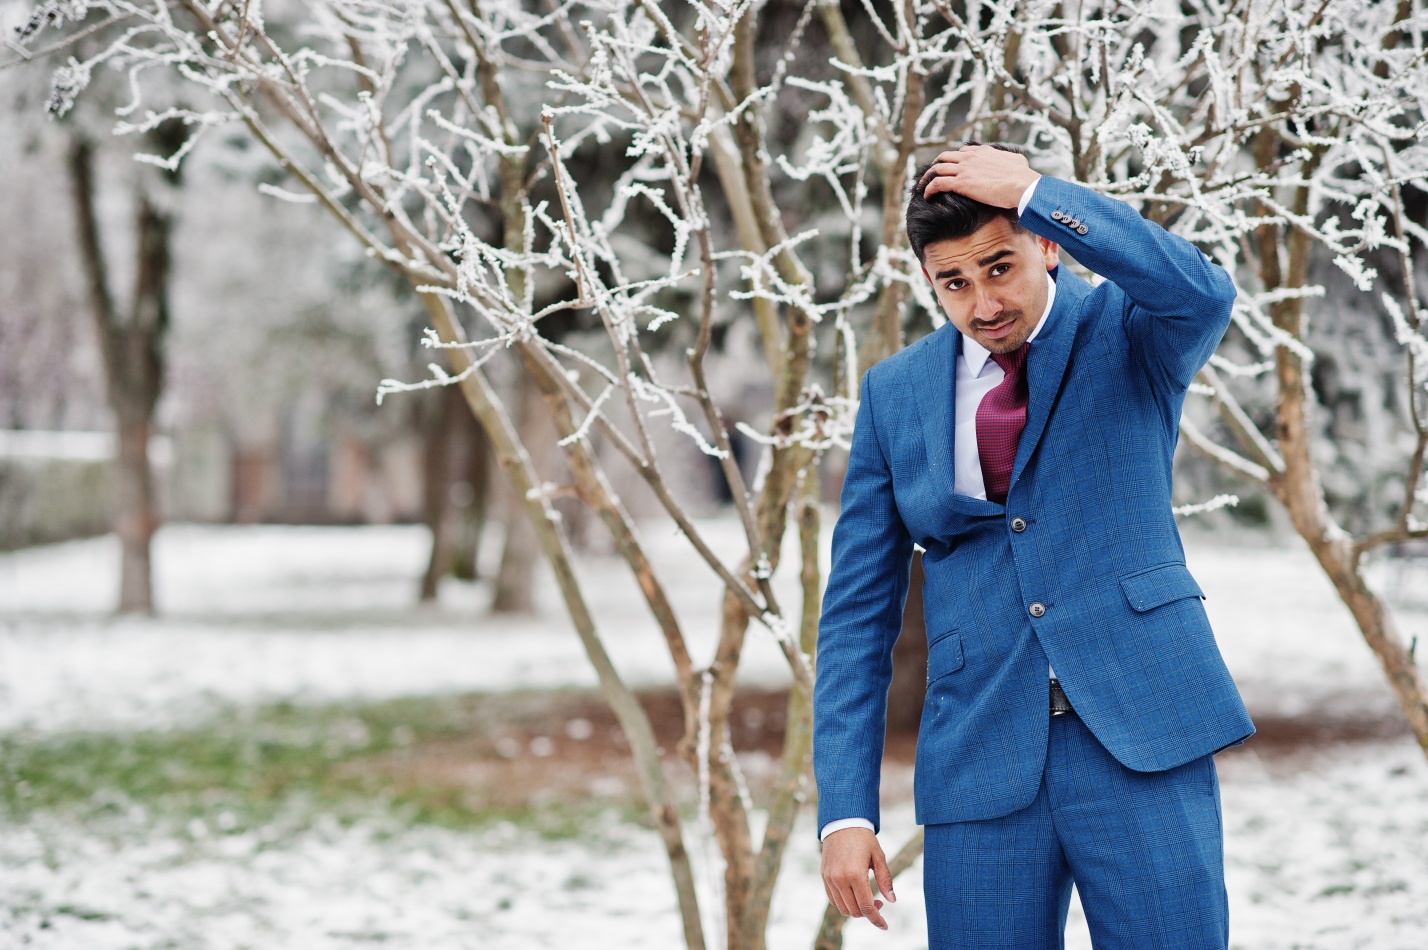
944,654
940,635
1152,587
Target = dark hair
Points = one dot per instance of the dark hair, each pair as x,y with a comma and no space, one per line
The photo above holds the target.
948,216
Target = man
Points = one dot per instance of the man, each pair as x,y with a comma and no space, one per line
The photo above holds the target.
1075,692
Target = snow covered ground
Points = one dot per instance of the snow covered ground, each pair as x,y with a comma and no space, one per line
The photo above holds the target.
1324,850
250,614
261,613
1331,858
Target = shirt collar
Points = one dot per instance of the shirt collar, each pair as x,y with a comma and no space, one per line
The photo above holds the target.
976,354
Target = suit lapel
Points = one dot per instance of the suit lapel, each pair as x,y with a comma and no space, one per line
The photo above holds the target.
936,381
1046,363
936,387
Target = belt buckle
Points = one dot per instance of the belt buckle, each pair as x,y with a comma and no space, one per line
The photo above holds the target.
1060,705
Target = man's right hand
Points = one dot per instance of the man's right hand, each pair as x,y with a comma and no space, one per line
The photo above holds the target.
848,855
990,175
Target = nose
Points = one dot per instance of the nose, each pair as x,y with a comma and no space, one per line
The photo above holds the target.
987,307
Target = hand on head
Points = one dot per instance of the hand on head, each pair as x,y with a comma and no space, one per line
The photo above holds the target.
990,175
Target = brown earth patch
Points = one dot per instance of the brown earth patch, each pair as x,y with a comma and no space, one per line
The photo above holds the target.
534,750
1290,744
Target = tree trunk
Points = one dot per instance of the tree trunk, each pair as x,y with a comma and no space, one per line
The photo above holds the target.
506,449
515,591
440,421
1298,487
908,689
790,789
131,346
1375,622
472,507
514,581
136,515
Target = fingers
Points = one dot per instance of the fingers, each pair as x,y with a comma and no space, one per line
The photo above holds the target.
942,182
847,858
938,177
846,901
942,176
867,905
883,875
980,172
839,894
856,899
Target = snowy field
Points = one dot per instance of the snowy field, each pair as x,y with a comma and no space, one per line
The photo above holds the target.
1327,847
255,614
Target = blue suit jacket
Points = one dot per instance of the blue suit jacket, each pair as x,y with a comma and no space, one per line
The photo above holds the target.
1123,623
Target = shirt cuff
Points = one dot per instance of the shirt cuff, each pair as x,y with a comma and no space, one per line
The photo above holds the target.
1026,197
841,823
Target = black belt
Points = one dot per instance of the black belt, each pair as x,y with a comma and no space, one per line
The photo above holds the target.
1060,705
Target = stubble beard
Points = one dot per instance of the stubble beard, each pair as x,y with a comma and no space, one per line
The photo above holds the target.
1007,344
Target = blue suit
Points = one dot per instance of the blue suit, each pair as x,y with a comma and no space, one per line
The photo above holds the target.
1120,617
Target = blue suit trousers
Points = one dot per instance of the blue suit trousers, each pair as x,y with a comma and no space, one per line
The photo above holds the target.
1144,849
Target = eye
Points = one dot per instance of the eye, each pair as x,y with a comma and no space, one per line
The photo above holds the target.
956,283
1000,269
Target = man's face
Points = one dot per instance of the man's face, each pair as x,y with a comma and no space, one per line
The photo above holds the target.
992,283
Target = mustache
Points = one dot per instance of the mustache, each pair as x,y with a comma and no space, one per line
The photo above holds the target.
1002,317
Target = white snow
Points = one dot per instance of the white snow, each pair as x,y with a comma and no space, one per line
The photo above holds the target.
1327,859
258,613
249,614
75,446
1288,640
1329,851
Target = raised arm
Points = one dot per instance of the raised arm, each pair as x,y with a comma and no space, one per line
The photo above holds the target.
1177,301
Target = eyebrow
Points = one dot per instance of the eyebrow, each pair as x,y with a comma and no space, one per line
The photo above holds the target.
987,261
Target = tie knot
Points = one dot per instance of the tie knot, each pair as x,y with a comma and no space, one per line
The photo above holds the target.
1013,360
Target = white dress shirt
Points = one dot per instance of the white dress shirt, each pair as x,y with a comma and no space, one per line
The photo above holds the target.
977,375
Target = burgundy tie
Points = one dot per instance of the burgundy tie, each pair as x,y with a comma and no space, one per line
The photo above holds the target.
1000,419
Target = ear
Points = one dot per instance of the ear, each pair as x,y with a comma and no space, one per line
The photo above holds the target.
1050,253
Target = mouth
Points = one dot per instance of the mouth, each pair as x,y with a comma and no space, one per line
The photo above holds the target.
997,331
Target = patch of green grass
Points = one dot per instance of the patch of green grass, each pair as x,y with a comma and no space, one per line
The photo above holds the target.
1335,890
250,766
83,913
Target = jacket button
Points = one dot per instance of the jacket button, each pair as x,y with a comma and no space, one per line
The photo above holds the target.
1036,609
1018,525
